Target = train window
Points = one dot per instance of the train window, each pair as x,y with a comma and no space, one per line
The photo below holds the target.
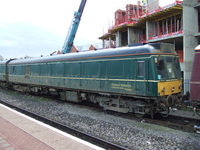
161,70
170,69
13,69
178,69
140,68
27,70
19,70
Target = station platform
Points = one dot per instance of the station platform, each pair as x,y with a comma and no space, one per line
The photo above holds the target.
18,131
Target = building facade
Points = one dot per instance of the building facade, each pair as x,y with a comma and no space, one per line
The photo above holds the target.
176,23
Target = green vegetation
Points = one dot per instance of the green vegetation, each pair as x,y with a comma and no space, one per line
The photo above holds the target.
42,99
155,127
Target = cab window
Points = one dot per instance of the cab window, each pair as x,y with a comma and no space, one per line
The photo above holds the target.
178,69
170,68
161,69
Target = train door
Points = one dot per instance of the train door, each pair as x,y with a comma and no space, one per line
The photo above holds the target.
141,77
7,69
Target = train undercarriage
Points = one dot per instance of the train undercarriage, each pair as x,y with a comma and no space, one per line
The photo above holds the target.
140,106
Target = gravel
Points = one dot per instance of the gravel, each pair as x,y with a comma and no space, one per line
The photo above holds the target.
119,130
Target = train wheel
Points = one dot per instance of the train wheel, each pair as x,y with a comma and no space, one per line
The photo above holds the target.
197,109
152,111
169,100
164,111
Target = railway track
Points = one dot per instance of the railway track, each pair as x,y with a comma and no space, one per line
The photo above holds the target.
174,122
94,140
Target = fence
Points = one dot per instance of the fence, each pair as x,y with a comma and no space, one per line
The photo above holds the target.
157,31
186,85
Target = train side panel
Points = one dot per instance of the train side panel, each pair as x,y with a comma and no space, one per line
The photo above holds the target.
122,75
17,74
195,77
119,75
3,71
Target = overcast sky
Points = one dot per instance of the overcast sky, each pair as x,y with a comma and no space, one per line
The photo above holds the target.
39,27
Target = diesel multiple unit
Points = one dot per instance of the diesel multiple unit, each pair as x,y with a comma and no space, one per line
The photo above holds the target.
143,79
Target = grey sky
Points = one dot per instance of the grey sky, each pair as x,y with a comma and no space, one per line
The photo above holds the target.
39,27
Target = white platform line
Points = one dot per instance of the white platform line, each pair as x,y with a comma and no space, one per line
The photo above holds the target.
56,130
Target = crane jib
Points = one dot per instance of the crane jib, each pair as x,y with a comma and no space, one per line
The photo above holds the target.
73,29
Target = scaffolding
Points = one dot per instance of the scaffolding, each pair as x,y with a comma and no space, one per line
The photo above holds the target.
166,27
165,21
120,17
130,15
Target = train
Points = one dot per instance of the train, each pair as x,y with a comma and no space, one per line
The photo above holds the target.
144,79
195,81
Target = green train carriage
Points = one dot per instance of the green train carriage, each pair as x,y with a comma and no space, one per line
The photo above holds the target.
2,71
144,79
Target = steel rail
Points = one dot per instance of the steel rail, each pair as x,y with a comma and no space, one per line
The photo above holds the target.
173,125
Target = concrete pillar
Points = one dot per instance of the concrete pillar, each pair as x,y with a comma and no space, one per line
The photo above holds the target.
190,27
109,41
130,35
163,27
133,35
182,21
103,43
166,26
171,25
174,23
149,29
157,28
118,39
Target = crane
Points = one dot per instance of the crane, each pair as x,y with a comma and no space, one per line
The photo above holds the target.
73,28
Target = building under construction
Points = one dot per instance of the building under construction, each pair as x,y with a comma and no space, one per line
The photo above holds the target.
176,23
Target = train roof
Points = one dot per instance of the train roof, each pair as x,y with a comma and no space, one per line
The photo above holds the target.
153,48
4,62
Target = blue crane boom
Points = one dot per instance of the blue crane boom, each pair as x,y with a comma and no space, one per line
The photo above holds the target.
73,29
